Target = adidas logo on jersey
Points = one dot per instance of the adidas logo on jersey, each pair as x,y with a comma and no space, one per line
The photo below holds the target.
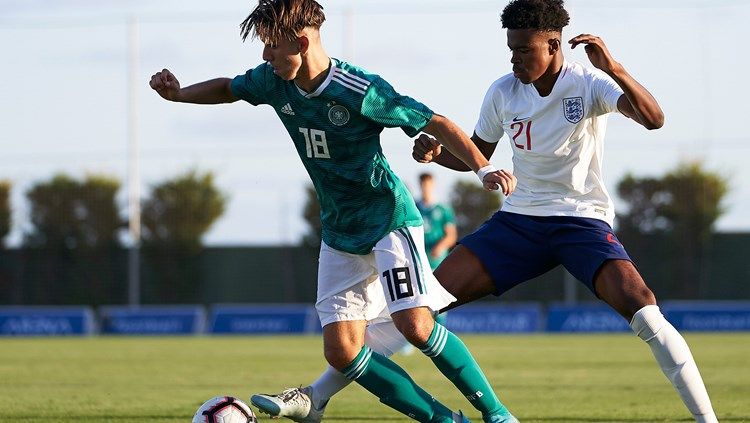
287,109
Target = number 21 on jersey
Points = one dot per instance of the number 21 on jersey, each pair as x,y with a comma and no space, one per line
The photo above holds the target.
522,127
315,143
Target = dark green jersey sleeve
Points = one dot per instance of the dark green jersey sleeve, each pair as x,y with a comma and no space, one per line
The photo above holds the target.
383,105
255,85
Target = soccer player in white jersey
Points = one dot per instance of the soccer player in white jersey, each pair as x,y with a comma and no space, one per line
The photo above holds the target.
554,113
373,267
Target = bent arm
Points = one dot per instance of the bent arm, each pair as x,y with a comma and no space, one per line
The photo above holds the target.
214,91
449,160
637,102
462,153
447,241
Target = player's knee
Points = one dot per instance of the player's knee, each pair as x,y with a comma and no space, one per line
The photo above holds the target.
637,298
416,330
622,287
339,356
645,297
647,322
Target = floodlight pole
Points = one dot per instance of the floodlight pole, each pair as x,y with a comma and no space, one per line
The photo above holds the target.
134,180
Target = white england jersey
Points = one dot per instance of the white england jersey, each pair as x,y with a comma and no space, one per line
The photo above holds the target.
557,141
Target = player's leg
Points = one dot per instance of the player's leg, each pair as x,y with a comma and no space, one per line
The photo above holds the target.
381,376
592,253
463,275
413,295
362,299
508,249
342,341
348,292
382,337
621,286
307,404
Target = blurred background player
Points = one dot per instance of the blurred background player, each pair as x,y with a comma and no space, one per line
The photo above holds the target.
439,222
372,259
555,115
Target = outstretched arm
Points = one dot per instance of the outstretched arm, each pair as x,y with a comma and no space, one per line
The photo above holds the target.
214,91
636,103
462,153
427,149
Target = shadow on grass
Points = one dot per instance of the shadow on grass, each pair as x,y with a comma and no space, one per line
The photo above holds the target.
545,419
619,419
78,418
153,417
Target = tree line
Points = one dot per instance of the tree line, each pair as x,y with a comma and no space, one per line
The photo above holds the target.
70,213
76,231
65,212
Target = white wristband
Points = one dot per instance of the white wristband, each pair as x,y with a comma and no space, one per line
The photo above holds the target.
485,170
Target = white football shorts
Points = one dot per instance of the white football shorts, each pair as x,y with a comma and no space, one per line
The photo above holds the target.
394,276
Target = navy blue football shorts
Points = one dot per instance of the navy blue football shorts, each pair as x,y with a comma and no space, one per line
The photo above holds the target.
515,247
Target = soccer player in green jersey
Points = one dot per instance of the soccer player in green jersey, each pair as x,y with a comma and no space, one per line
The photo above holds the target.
439,223
373,267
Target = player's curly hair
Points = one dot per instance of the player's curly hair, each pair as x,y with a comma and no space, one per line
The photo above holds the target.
274,20
542,15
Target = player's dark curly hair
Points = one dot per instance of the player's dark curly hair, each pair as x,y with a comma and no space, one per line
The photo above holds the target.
542,15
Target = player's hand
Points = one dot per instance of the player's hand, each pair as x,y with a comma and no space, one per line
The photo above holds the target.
500,179
596,50
165,84
426,149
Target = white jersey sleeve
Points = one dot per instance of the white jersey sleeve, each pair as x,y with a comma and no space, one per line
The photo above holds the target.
605,93
490,124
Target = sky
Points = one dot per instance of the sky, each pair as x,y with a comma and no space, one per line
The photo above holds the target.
64,94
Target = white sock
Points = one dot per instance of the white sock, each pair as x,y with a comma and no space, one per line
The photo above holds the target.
383,338
327,385
674,357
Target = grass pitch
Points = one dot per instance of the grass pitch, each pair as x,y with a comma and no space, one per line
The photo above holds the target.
541,378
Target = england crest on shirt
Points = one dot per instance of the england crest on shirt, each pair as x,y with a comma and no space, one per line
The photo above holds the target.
573,109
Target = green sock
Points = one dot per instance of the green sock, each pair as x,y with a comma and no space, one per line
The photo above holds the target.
393,386
454,360
442,318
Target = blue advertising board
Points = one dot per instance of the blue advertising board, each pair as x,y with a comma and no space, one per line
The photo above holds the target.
719,316
46,321
584,318
264,319
504,318
152,320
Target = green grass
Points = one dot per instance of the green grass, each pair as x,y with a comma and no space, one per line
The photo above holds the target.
542,378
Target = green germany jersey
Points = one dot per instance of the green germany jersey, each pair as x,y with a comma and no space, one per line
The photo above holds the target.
336,131
436,218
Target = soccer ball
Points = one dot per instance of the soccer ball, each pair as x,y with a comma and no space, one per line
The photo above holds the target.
224,410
